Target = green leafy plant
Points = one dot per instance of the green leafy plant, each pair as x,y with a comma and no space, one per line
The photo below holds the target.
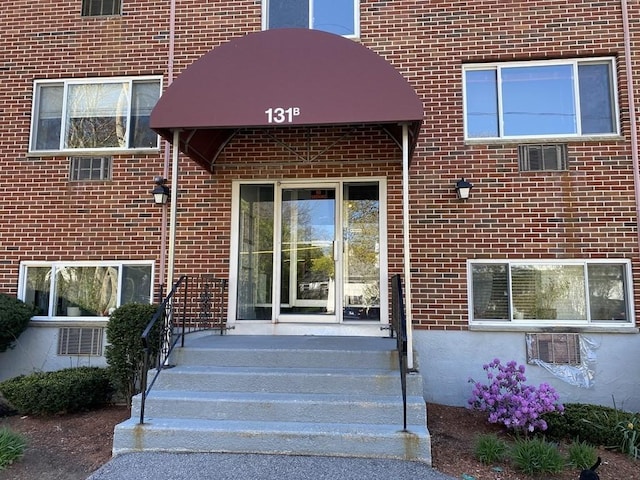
490,449
14,318
581,454
62,391
12,447
596,424
630,442
536,455
125,353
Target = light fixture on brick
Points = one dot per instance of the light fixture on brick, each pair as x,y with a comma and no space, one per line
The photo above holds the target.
463,188
161,192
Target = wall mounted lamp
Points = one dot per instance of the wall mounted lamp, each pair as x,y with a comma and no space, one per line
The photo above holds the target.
463,188
160,192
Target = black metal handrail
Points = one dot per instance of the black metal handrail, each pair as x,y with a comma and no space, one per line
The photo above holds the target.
195,303
399,330
164,313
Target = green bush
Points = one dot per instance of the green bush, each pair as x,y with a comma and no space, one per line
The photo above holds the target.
63,391
14,318
12,447
535,455
595,424
489,449
582,455
125,353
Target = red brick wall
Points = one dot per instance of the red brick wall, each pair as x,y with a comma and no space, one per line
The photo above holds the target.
588,211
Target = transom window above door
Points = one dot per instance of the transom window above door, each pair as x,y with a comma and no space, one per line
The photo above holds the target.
94,115
540,99
340,17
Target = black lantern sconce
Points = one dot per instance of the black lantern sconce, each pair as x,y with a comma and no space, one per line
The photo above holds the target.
463,189
161,192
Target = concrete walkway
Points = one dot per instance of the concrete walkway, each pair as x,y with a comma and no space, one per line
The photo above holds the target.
236,466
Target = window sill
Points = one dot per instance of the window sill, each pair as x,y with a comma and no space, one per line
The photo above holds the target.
62,322
529,328
524,140
88,153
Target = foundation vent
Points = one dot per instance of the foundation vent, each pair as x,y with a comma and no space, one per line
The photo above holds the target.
554,348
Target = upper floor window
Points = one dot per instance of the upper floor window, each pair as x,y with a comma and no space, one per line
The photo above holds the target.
551,293
542,99
94,114
93,8
339,17
84,289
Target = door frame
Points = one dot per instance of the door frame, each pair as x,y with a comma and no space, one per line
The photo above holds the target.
305,326
337,253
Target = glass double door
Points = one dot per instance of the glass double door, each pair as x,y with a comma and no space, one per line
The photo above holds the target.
324,242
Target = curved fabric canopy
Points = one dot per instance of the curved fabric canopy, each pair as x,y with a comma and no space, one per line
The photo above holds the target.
283,77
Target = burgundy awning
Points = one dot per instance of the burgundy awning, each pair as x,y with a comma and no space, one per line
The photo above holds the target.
283,77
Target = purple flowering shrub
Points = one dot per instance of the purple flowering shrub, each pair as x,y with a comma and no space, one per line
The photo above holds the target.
509,401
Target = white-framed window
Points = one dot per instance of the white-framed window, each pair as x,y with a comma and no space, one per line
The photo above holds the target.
84,289
93,115
93,8
339,17
540,99
550,292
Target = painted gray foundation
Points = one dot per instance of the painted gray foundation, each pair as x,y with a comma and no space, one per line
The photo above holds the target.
449,358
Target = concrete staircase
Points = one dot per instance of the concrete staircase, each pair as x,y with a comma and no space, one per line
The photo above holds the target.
301,395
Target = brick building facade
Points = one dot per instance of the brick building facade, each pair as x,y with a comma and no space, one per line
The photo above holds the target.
555,203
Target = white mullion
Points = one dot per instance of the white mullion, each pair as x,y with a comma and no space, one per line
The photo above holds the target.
587,304
356,18
311,23
63,116
127,130
576,96
499,98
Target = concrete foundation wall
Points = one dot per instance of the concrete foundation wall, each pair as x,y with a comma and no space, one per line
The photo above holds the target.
36,351
448,359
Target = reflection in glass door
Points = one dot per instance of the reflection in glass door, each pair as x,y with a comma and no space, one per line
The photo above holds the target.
308,253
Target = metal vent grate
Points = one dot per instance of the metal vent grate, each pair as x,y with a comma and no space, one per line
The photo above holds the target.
80,341
542,157
555,348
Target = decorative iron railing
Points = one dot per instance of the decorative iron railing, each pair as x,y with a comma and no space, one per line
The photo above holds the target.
195,303
399,330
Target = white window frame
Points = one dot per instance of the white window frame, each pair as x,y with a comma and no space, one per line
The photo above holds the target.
234,250
51,316
497,67
529,324
356,17
65,84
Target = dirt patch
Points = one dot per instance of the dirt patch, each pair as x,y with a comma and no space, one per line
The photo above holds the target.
71,447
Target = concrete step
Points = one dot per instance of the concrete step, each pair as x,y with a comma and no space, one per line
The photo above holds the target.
283,380
282,407
326,439
289,351
338,396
